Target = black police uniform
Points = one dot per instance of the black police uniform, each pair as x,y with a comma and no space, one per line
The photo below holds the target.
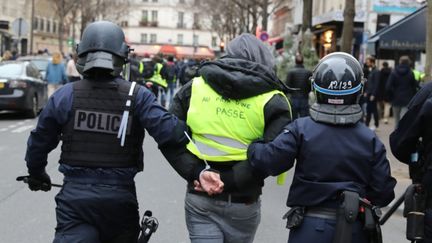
415,124
98,201
334,153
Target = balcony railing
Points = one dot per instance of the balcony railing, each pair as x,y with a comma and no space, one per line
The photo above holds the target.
181,25
147,23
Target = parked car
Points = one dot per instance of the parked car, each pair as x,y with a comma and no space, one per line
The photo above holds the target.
41,62
22,87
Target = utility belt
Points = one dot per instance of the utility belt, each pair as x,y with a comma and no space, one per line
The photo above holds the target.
84,179
352,209
227,197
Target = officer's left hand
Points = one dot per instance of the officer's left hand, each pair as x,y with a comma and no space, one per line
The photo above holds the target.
38,182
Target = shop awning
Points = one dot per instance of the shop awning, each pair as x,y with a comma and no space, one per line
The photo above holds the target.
408,33
168,50
194,52
177,51
142,50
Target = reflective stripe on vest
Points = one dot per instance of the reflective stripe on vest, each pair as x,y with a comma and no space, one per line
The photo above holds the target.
141,68
157,78
222,129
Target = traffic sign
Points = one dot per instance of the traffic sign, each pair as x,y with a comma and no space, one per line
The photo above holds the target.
20,27
264,36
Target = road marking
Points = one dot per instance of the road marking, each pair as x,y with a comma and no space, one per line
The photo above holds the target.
22,129
4,129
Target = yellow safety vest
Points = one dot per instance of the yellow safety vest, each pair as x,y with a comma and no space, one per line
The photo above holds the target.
418,76
157,78
222,129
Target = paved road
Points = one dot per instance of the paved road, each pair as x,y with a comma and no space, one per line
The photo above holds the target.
30,216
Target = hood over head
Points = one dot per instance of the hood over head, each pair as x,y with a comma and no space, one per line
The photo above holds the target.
247,70
248,47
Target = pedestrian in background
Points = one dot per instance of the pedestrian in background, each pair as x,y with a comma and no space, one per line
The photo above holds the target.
298,78
334,153
401,88
235,100
71,71
171,77
370,93
55,73
383,104
7,56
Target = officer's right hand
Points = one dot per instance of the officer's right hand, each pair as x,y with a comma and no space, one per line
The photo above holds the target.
38,182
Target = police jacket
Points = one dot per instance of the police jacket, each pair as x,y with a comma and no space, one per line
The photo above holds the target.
298,77
330,157
372,83
55,122
401,85
414,124
233,79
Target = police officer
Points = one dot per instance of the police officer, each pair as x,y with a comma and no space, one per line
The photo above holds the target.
101,121
334,152
236,100
404,144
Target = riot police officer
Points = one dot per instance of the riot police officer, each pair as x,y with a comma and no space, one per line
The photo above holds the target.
336,156
101,121
411,143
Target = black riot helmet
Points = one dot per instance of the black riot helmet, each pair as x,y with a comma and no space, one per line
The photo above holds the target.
338,79
102,47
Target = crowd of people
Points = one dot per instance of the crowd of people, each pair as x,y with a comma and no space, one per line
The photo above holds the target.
162,73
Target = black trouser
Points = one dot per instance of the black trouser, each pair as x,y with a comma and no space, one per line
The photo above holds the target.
371,109
95,213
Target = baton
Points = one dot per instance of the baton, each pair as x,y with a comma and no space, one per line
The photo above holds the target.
26,178
393,208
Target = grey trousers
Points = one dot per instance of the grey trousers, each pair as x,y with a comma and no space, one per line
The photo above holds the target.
213,221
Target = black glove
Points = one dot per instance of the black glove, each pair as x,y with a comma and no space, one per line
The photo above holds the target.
38,182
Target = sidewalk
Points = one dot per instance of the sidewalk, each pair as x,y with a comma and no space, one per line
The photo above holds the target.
399,170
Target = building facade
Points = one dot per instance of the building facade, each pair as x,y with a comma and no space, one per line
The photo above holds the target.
45,27
152,24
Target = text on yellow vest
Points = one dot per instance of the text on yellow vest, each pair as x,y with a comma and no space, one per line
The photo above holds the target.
222,129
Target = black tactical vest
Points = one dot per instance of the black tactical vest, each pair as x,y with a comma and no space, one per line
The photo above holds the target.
90,137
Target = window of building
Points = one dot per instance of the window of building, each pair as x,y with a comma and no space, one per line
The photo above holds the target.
153,38
144,38
124,23
180,21
195,41
196,23
181,1
154,16
214,41
197,2
48,26
155,1
144,15
145,1
35,23
54,28
42,24
180,39
383,20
